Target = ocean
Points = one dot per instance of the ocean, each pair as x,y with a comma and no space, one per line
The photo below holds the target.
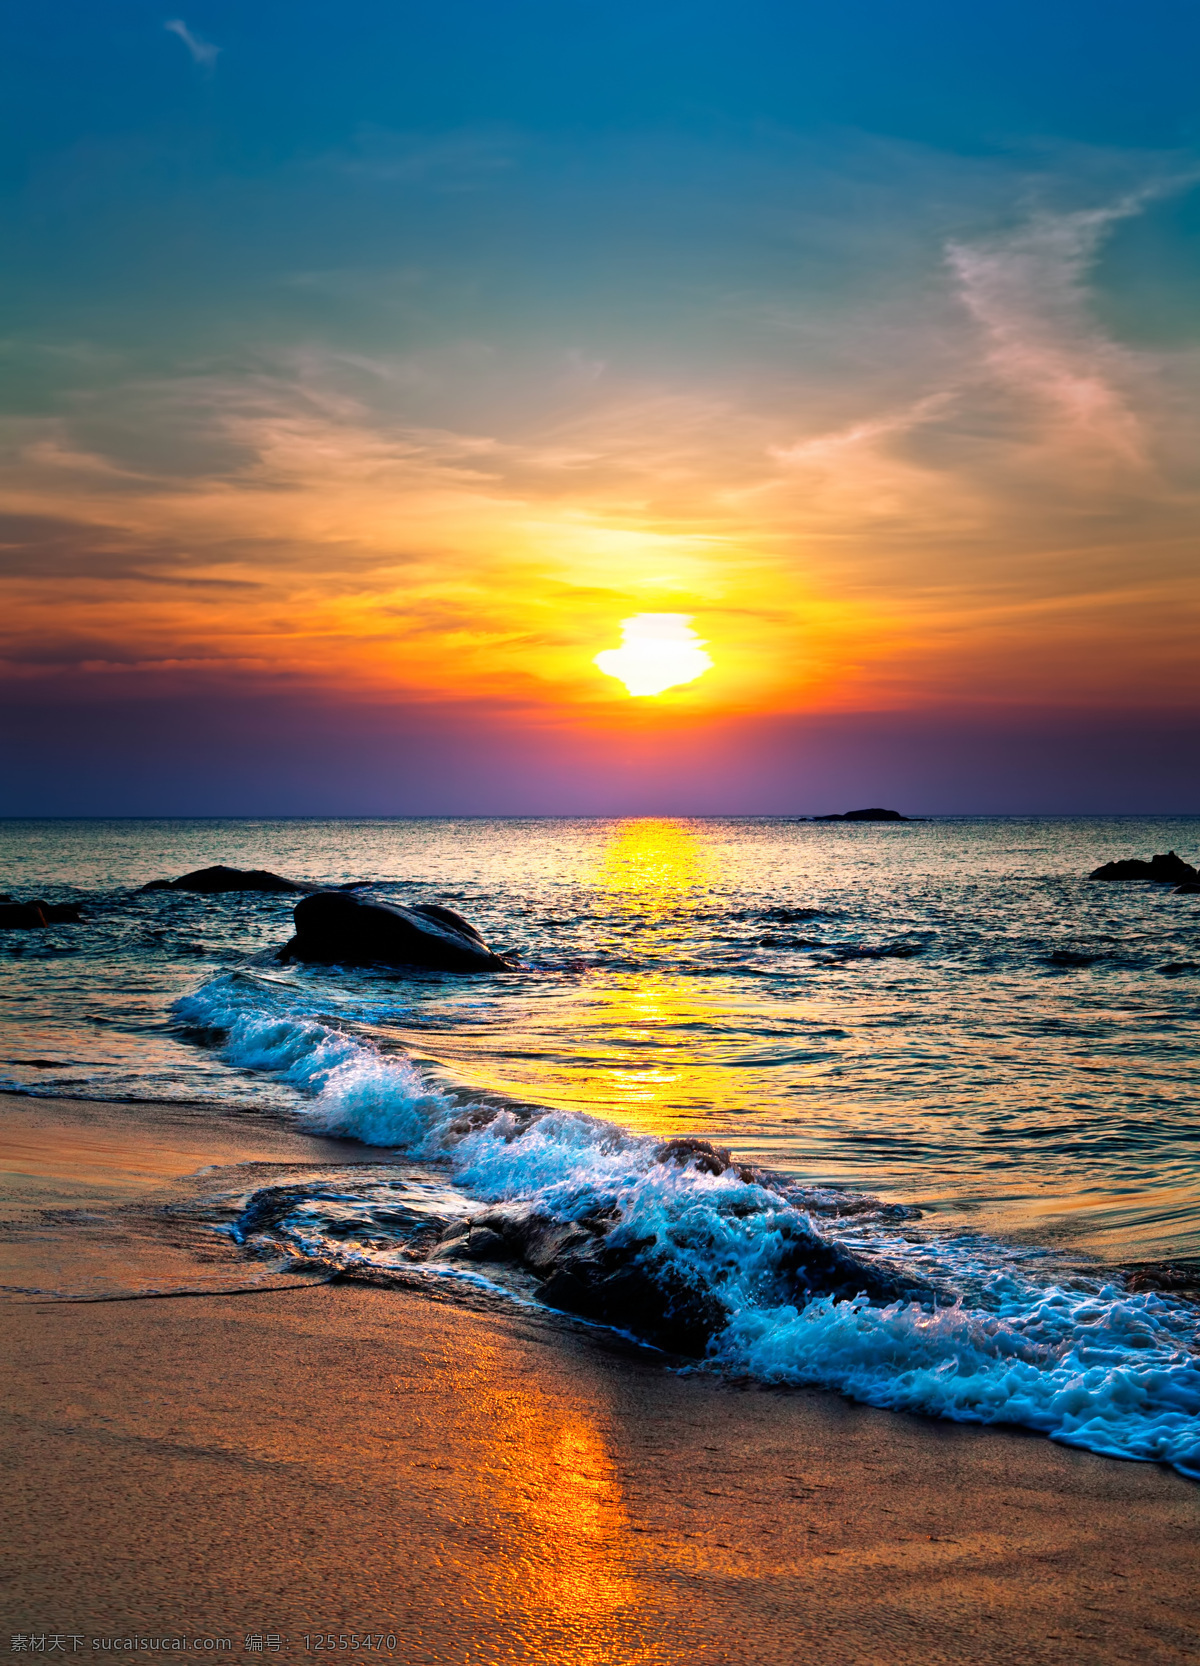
937,1052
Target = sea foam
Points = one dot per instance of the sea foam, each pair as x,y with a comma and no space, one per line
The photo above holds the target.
1089,1363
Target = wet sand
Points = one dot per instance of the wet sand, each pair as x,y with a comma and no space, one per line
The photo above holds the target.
492,1485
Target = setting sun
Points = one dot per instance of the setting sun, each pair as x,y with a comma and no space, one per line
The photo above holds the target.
658,651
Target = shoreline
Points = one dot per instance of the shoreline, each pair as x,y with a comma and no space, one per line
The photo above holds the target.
501,1488
491,1483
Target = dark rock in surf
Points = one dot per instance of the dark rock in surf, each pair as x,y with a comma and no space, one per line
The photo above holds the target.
1189,890
590,1268
335,928
32,916
632,1289
1180,1278
814,1267
702,1155
518,1234
629,1285
1163,870
875,814
479,1243
637,1287
217,880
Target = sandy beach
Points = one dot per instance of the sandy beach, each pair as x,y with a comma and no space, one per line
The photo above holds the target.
599,873
490,1484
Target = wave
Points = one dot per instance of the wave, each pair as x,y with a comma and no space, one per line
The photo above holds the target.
688,1250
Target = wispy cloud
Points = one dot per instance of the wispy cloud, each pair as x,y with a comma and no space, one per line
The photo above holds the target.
970,488
1028,293
203,52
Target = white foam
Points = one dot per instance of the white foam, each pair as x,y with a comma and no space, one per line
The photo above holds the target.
1103,1369
1112,1373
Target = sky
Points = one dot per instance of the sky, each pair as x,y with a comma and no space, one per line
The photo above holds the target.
367,368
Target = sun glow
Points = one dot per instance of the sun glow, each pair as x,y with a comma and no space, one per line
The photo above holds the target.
658,651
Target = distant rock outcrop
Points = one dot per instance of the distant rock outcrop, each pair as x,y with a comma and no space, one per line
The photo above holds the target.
30,916
210,881
866,815
1164,870
335,928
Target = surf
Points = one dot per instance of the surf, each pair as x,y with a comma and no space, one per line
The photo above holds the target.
746,1271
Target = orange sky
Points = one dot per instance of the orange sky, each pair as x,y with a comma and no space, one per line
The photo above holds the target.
959,486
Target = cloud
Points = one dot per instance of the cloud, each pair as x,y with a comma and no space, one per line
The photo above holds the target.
1028,293
956,485
1076,389
203,52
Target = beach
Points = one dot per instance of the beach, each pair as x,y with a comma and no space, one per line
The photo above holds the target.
489,1483
759,1266
599,873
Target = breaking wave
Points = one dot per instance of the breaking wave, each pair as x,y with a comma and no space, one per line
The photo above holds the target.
686,1249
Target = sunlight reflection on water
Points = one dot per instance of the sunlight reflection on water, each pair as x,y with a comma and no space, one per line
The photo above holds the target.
948,1012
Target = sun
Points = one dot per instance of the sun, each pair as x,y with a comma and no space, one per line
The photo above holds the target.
658,651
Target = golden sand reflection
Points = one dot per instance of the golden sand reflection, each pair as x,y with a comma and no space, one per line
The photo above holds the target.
555,1483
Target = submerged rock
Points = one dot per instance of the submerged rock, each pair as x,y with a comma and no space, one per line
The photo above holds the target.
212,881
595,1269
1180,1278
875,814
335,928
644,1288
1072,957
30,916
1164,870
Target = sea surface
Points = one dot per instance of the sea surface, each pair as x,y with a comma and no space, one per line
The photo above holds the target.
939,1045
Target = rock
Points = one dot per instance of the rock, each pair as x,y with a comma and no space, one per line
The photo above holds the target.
814,1266
866,815
588,1267
1164,870
21,916
29,916
211,881
629,1284
1180,1278
635,1287
1191,889
658,1300
335,928
477,1243
708,1158
445,917
60,913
